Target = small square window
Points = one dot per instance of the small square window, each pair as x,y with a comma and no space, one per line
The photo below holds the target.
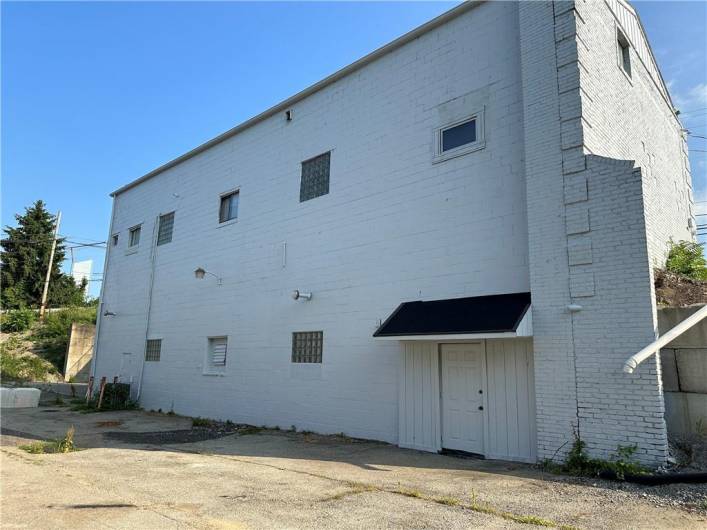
229,207
624,53
115,240
134,237
153,349
216,355
315,177
164,233
307,346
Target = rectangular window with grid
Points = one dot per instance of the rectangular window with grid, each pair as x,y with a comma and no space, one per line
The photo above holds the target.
134,239
153,349
315,177
216,355
307,346
164,232
229,207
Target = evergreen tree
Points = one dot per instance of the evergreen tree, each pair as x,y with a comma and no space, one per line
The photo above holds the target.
25,257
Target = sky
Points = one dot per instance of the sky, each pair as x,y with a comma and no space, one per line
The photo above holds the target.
95,95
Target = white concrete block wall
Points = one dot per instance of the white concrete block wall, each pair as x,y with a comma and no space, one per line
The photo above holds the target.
555,386
394,227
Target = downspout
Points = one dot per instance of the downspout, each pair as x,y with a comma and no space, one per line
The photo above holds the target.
153,254
99,316
632,362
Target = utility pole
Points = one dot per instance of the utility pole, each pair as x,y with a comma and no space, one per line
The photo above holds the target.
43,307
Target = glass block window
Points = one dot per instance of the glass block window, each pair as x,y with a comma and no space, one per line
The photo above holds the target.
315,177
459,135
217,353
134,239
229,207
164,233
307,346
153,349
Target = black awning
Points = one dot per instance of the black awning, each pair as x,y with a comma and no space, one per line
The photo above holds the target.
500,313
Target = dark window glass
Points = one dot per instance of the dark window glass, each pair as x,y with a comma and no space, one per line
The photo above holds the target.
134,239
625,57
229,207
164,233
115,240
153,349
307,346
315,177
462,134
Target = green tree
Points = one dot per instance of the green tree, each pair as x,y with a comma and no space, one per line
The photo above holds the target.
25,256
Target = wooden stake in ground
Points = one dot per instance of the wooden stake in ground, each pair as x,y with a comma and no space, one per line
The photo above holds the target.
45,290
103,389
89,389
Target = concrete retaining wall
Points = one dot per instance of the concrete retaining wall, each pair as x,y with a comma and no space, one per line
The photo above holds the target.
80,352
684,367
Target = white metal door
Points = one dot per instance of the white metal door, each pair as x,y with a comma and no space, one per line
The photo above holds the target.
463,389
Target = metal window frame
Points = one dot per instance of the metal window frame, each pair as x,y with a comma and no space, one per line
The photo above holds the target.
162,217
228,195
152,355
623,53
131,231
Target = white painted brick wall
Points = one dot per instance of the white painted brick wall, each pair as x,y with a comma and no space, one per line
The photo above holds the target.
394,227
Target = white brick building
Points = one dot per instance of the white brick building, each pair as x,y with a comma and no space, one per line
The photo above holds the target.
500,149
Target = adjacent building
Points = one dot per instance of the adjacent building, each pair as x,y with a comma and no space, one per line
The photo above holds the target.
448,244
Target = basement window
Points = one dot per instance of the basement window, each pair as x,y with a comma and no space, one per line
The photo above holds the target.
315,177
166,225
624,53
153,349
307,346
216,355
459,138
229,207
134,236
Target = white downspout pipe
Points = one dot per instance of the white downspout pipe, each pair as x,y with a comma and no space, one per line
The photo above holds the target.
633,361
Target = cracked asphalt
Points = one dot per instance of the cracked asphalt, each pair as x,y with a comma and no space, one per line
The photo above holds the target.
275,479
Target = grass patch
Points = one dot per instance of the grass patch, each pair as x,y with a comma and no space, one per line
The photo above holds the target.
63,445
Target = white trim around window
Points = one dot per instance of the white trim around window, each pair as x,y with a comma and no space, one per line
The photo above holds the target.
478,142
216,355
134,235
221,197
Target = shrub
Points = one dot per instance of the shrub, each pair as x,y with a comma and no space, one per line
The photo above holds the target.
578,463
686,258
52,336
18,320
15,366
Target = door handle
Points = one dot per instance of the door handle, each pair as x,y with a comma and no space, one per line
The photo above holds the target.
481,407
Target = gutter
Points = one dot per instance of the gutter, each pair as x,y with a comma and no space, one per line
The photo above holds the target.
632,362
282,106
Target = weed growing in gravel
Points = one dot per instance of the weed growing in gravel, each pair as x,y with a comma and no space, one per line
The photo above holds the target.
63,445
578,463
200,422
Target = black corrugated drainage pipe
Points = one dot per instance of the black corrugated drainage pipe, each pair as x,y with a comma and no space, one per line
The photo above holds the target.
658,479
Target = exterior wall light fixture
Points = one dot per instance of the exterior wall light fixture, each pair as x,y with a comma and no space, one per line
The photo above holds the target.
296,295
200,273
